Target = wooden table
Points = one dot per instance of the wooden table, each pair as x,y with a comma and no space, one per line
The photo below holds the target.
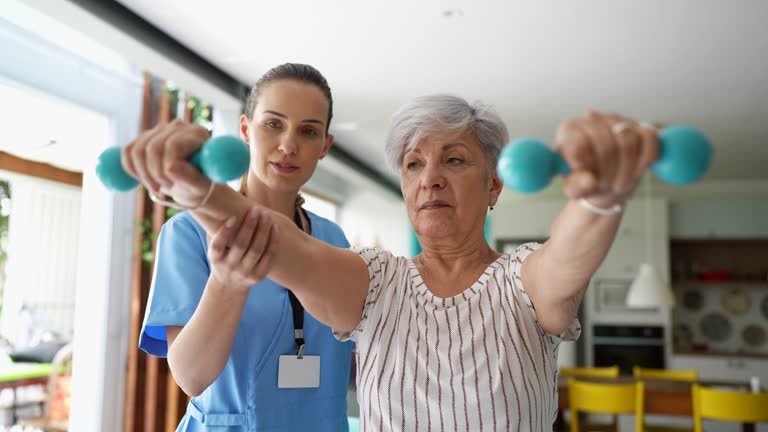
662,397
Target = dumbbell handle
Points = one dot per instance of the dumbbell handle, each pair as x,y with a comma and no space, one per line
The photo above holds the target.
527,165
222,158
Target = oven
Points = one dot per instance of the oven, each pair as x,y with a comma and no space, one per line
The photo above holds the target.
628,346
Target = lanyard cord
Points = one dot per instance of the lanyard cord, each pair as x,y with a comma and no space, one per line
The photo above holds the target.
298,309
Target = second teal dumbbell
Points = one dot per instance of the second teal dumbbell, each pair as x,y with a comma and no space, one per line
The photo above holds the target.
527,165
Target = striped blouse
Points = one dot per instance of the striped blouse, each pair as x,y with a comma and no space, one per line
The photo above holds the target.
477,361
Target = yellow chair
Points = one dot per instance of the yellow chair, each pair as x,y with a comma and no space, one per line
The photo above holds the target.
689,375
686,375
590,372
593,372
727,405
602,398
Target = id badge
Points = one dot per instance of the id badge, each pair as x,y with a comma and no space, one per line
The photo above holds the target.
295,372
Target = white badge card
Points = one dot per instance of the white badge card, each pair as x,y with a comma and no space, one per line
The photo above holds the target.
295,372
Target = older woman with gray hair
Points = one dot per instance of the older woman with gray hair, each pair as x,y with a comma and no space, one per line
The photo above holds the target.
460,337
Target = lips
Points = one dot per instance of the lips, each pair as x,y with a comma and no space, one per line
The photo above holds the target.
434,205
283,167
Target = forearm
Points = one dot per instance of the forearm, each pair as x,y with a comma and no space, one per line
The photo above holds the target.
224,203
330,282
201,350
579,241
556,276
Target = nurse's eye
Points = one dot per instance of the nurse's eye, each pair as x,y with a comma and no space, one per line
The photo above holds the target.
273,124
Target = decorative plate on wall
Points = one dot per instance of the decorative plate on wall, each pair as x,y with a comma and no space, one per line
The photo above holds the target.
753,335
715,327
735,301
693,300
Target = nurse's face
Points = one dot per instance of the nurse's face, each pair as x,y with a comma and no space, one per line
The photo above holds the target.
287,134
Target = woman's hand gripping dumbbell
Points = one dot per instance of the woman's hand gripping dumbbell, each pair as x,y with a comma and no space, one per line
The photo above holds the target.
221,159
683,154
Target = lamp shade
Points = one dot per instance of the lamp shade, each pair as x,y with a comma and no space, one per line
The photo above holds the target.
648,290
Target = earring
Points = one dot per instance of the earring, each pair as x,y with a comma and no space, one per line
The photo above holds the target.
491,207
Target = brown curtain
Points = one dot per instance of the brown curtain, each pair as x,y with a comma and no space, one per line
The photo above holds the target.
153,401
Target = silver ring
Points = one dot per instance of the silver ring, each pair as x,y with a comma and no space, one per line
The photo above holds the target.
648,125
620,127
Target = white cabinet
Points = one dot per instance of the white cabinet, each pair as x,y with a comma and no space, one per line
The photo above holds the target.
721,218
717,368
524,219
637,241
642,238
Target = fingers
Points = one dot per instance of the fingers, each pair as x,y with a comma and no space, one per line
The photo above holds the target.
151,156
242,240
155,149
133,157
244,253
259,242
218,246
183,144
604,145
262,268
607,153
574,145
649,147
187,177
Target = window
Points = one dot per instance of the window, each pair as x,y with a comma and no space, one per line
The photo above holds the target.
320,205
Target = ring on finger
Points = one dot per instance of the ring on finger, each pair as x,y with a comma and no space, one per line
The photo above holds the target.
620,127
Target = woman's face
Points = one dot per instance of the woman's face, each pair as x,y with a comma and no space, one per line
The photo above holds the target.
448,187
286,134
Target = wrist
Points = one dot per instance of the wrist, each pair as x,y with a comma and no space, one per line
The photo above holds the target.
227,291
602,206
607,201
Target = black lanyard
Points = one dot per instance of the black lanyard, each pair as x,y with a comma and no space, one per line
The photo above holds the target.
298,309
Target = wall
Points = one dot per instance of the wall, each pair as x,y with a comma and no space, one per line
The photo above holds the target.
44,227
370,219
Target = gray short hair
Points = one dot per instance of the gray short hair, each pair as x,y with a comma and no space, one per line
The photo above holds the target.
444,114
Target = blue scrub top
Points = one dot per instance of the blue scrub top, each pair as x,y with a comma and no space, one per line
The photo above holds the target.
245,396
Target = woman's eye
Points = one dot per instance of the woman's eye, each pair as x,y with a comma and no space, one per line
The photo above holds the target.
411,165
454,161
273,124
310,132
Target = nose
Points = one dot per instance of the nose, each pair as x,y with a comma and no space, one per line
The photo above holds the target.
288,144
432,177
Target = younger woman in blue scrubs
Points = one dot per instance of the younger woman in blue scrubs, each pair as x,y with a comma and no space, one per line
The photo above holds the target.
241,345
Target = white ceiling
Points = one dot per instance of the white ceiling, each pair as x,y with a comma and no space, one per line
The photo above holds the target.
699,62
537,63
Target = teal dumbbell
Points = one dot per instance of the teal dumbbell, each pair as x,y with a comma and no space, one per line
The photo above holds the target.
527,165
222,158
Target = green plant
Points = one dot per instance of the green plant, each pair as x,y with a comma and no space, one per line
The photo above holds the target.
202,115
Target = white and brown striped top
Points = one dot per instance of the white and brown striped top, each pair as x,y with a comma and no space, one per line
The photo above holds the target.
477,361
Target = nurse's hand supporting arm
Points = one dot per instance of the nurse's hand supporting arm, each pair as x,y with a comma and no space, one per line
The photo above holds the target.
330,282
198,352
